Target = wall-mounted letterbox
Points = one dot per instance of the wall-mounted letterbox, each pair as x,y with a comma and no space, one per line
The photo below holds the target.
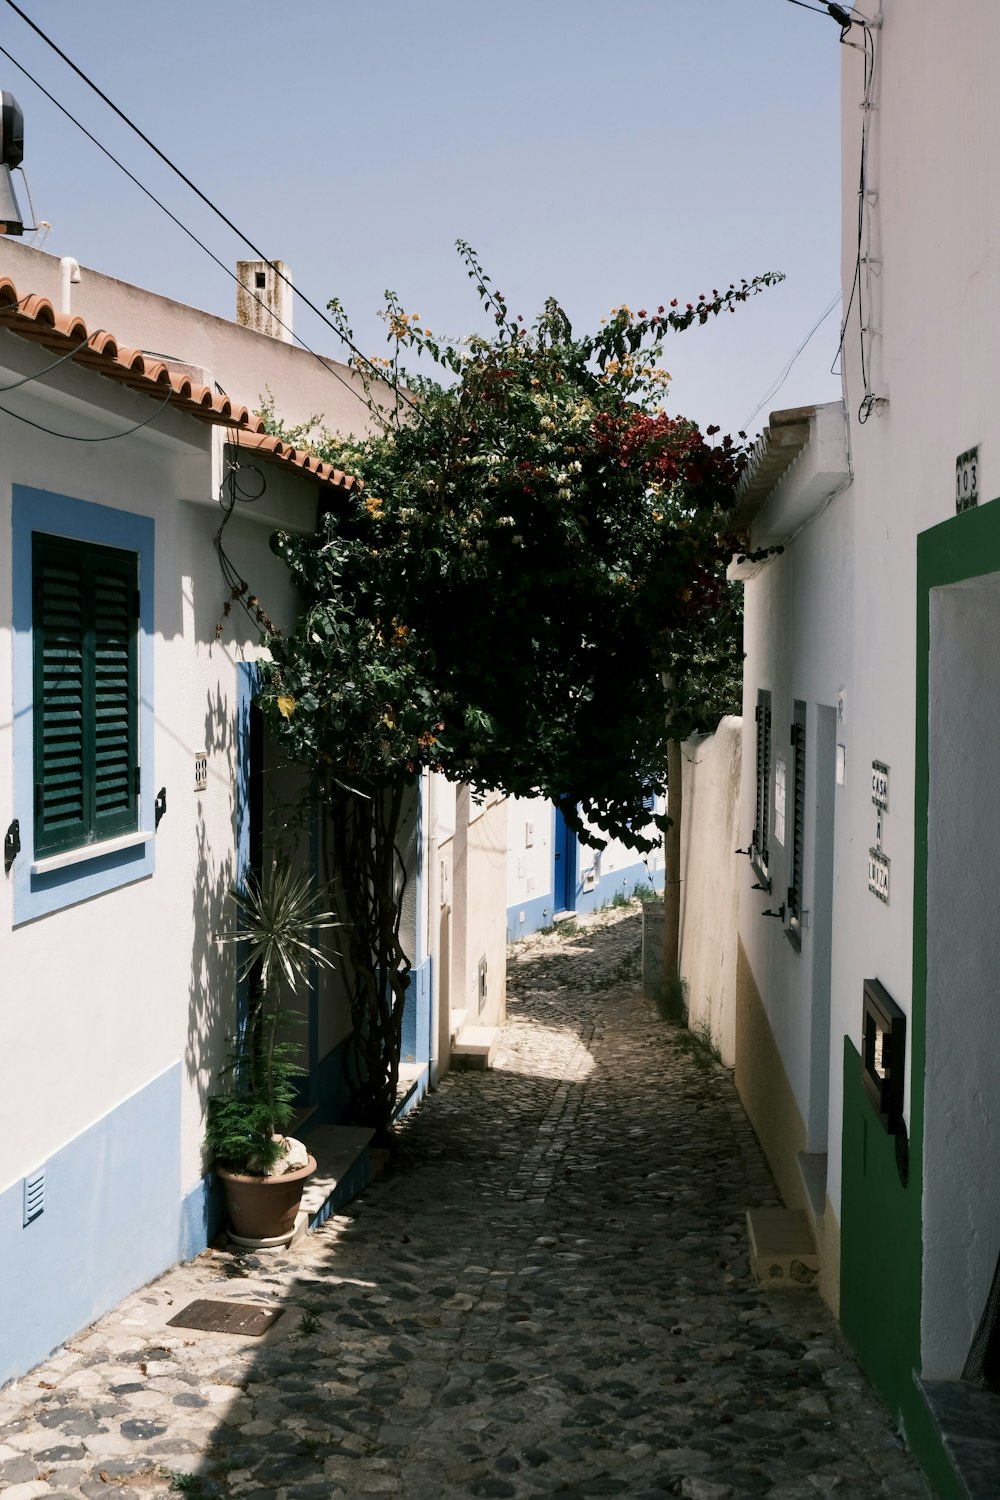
883,1054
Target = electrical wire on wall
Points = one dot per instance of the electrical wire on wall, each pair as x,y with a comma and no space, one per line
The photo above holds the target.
231,493
865,262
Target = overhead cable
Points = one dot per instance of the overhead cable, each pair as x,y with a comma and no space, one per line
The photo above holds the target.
206,200
179,222
784,373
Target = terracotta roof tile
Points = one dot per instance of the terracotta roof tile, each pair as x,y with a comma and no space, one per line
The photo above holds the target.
33,317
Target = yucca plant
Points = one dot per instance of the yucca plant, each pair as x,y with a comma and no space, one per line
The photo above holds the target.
276,922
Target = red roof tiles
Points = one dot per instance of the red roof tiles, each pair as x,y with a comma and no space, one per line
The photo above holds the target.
33,317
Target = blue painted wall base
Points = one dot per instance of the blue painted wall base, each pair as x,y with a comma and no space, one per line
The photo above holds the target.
109,1225
416,1037
539,910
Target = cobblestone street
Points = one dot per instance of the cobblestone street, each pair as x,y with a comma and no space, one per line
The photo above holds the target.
548,1294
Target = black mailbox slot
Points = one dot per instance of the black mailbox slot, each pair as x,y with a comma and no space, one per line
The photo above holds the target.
883,1054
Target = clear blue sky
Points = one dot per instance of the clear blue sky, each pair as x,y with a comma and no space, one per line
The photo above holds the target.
596,150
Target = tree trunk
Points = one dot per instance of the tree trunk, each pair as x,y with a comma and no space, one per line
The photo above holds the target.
370,877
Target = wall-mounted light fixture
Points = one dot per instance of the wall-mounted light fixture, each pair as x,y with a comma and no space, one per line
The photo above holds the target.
160,805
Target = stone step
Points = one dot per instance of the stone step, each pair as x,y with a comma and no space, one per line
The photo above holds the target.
782,1248
968,1421
475,1047
343,1169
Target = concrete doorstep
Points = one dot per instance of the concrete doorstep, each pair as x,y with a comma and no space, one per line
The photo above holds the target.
782,1248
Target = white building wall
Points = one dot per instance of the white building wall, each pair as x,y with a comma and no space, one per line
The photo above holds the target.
246,363
710,882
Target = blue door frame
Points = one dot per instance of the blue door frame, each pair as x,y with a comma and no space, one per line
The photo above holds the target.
564,865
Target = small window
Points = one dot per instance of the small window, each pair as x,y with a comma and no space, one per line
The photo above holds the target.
798,735
85,621
260,279
762,810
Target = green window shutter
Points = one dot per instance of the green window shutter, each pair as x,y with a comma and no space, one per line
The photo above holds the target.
59,627
798,810
115,717
762,810
85,625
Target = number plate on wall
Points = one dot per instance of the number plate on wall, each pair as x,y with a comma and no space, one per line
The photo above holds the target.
967,480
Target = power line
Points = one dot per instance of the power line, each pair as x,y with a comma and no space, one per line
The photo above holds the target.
205,199
179,222
39,374
804,6
72,437
783,374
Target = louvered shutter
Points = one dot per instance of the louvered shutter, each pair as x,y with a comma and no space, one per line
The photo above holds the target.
115,760
85,693
798,810
763,803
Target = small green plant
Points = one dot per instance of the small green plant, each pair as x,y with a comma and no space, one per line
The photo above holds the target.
643,891
186,1484
276,922
619,899
671,999
308,1325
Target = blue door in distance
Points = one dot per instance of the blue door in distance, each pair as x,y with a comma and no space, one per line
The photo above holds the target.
564,850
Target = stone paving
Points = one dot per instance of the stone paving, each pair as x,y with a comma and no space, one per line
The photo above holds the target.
547,1294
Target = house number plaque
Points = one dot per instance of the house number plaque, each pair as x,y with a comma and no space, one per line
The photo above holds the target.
967,480
201,771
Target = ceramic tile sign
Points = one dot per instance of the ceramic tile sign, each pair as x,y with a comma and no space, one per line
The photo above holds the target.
880,786
878,863
878,874
201,771
967,480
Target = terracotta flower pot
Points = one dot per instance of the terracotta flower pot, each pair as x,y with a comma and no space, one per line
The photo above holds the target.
264,1208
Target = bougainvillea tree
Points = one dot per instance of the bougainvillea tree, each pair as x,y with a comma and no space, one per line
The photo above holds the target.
527,593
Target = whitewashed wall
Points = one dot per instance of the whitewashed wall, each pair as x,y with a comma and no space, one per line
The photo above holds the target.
710,876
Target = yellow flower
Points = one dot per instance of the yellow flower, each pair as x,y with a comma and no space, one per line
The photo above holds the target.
286,705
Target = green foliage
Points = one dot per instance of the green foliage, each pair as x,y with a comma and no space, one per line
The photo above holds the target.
523,590
275,927
532,549
672,1000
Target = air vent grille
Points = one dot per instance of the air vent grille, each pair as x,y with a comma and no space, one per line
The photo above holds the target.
34,1195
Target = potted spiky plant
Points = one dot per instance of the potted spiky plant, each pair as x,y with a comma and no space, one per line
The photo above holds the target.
262,1170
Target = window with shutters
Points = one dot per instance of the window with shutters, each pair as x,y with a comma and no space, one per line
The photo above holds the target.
84,699
759,852
798,789
85,615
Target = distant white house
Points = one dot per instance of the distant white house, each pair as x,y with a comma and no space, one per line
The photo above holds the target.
552,874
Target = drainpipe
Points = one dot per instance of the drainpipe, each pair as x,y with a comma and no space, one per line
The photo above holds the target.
69,275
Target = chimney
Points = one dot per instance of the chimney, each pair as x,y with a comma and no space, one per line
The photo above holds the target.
264,298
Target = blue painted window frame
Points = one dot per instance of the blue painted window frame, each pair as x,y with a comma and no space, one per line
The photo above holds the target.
33,510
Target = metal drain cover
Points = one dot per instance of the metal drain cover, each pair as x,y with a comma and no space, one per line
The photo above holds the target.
226,1317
